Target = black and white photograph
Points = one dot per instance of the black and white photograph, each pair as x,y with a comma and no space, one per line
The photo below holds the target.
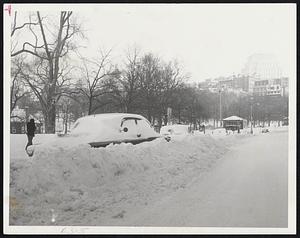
149,118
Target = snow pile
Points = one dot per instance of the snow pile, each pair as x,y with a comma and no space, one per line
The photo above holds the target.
18,143
80,185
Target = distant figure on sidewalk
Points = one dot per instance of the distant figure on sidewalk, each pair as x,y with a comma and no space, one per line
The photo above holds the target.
30,132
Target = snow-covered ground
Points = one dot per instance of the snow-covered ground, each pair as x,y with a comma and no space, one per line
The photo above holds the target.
248,188
74,184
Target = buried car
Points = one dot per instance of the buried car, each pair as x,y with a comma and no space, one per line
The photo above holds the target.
176,129
103,129
100,130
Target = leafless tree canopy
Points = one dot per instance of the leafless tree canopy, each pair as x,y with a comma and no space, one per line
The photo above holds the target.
17,87
96,79
48,72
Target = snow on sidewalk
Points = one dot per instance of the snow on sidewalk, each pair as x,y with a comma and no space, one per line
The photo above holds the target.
80,185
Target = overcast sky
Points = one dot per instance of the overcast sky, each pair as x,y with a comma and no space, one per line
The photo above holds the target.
209,40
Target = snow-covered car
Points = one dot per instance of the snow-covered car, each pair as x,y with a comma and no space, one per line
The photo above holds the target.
176,129
103,129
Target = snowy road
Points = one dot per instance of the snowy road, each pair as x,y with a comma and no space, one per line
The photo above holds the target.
247,189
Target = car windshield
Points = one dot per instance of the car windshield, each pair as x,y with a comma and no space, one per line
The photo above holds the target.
135,119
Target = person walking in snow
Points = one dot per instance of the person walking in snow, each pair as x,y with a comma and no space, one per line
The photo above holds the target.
30,132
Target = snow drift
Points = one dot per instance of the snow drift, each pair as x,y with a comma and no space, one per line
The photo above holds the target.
80,185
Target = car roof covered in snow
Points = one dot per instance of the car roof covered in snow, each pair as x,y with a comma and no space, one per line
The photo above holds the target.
110,116
91,122
106,126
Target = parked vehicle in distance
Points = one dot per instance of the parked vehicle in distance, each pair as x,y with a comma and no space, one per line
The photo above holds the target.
265,130
176,129
103,129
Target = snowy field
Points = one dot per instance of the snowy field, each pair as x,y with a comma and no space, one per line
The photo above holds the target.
74,184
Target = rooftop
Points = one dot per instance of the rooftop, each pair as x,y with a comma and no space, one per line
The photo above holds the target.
233,118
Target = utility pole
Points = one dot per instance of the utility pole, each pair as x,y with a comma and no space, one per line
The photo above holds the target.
220,91
251,114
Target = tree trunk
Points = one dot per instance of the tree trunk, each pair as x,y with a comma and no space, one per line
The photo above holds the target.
149,114
126,108
159,122
66,123
50,121
90,106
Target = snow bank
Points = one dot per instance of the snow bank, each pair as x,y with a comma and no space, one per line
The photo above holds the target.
18,143
80,185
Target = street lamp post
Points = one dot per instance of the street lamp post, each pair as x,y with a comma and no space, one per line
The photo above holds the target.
220,99
251,115
251,112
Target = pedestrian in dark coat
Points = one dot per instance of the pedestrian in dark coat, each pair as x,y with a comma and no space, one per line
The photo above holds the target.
30,132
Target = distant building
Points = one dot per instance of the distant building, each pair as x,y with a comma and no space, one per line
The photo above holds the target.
261,76
241,82
274,89
260,87
265,66
18,121
209,85
235,83
234,123
278,87
283,83
266,74
18,126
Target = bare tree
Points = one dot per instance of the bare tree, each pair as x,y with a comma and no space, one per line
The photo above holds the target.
15,28
159,81
149,79
97,80
17,87
127,91
172,78
46,75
